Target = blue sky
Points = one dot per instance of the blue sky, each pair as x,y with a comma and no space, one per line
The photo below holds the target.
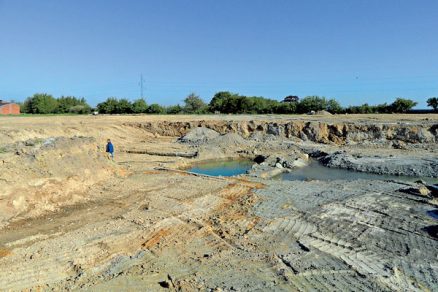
356,51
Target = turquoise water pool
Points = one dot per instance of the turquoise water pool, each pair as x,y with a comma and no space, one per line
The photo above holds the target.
222,167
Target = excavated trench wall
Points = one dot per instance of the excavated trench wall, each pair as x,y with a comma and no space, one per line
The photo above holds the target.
320,132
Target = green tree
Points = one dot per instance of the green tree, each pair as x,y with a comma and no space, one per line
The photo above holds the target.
312,103
139,106
402,105
286,108
80,109
218,101
334,106
262,105
65,103
25,106
124,106
433,103
382,108
291,98
194,104
109,106
40,103
232,104
174,109
155,108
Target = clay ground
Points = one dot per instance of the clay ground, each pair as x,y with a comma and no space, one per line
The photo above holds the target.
71,219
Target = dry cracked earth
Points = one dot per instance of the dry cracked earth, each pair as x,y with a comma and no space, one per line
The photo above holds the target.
71,219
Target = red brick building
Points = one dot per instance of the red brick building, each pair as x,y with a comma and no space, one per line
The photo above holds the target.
9,108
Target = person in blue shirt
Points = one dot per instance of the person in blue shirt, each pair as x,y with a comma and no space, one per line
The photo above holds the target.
110,149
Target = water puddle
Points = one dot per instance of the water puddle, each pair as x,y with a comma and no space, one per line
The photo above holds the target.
433,214
222,167
316,171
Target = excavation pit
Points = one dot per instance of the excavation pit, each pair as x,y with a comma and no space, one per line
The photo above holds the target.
228,167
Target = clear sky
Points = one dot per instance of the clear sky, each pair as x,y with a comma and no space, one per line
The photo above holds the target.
356,51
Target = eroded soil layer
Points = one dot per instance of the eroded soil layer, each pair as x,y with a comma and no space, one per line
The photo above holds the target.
70,218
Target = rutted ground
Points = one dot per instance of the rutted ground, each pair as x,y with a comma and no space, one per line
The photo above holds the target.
72,219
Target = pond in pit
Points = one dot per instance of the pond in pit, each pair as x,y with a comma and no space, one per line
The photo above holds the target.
316,171
222,167
433,214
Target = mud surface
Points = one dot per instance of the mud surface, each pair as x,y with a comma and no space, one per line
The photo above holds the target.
71,219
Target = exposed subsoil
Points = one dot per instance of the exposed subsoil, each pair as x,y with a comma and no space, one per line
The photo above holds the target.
71,219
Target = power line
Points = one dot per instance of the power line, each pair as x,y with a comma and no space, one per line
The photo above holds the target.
141,85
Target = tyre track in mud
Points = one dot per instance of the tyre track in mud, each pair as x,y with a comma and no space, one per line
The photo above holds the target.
373,240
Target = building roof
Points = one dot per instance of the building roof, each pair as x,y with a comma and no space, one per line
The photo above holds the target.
2,102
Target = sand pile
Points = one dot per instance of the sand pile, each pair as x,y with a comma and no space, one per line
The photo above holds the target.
223,146
323,113
199,136
228,140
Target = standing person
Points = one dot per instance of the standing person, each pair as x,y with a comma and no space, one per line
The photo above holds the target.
110,149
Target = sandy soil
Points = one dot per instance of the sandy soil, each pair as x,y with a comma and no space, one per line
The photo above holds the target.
70,218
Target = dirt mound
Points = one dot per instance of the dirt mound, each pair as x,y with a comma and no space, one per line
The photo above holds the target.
229,140
199,135
41,175
323,113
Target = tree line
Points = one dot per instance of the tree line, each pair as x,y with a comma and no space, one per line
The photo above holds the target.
222,102
43,103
